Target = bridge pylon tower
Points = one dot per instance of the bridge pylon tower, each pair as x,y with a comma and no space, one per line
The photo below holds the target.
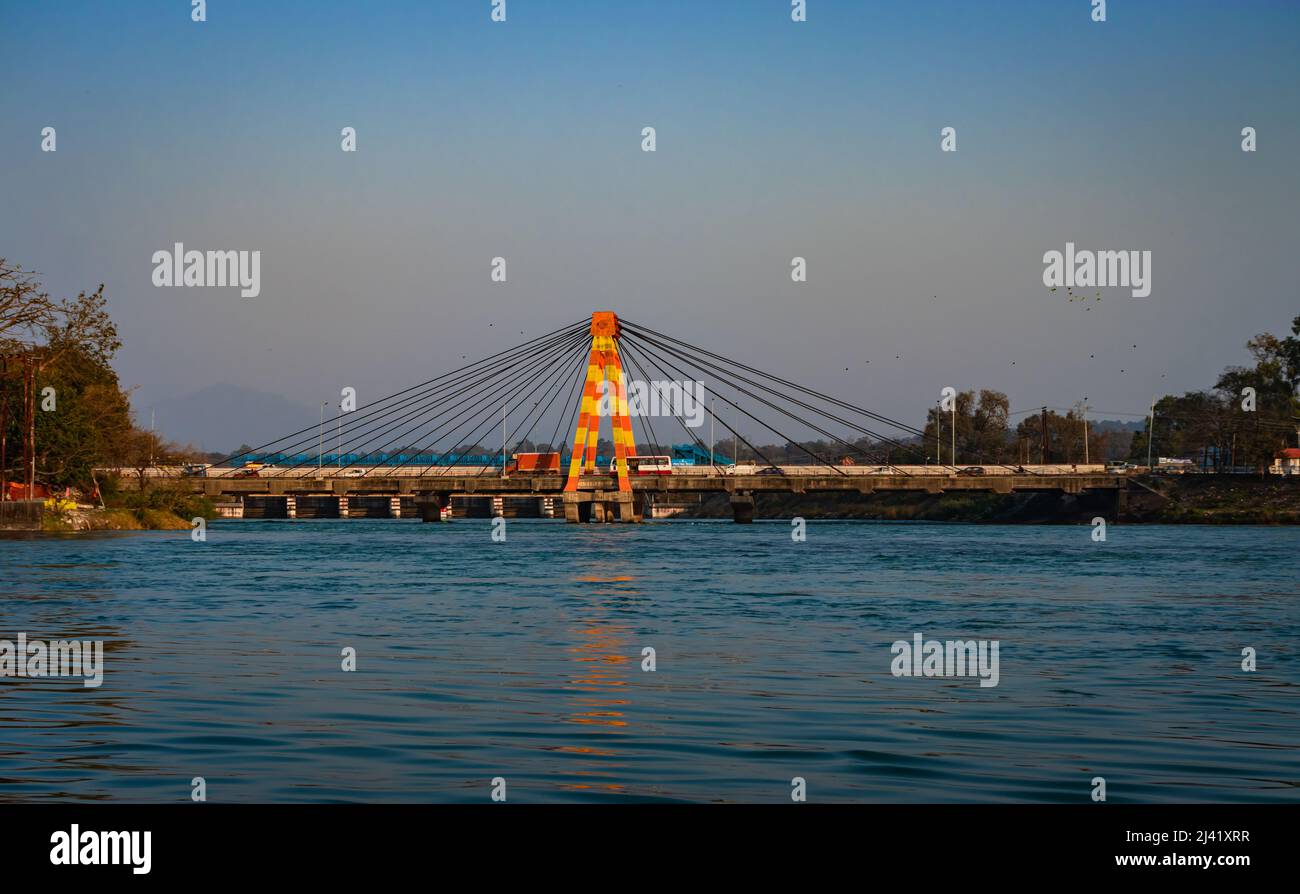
605,392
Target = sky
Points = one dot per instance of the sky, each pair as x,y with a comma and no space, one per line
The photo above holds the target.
774,139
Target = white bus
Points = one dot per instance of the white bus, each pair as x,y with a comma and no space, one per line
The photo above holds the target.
644,465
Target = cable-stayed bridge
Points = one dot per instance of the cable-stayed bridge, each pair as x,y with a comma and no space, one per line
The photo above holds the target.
674,414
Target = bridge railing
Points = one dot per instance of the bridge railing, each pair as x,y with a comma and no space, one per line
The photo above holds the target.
741,469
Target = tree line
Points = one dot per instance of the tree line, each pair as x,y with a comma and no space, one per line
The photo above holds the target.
82,417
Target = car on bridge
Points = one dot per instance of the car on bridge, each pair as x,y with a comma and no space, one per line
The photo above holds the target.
971,470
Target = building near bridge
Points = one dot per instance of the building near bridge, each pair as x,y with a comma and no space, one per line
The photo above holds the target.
1286,462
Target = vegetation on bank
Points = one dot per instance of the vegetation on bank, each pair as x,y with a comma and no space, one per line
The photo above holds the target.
168,506
77,520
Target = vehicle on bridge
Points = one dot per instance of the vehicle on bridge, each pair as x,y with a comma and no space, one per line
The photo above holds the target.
645,465
533,462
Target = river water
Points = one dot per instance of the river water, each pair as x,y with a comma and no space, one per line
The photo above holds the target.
523,660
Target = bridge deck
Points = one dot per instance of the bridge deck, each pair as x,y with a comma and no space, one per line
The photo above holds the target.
551,485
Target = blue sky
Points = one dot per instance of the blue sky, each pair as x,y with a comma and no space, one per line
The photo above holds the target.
775,139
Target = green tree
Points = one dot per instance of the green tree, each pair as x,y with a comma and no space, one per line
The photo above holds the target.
981,424
82,414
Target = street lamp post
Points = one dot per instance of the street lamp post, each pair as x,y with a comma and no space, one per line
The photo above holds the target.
713,409
320,442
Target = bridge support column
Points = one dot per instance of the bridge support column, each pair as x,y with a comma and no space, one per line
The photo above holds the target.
546,507
631,508
433,507
290,507
343,507
498,507
395,507
577,508
742,508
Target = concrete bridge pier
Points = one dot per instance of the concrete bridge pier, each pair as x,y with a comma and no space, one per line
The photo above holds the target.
394,507
546,507
433,507
631,510
577,508
343,507
600,506
742,508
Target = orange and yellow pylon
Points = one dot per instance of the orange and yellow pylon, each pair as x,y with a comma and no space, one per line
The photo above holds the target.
603,366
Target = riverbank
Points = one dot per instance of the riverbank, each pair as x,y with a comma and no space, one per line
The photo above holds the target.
91,519
1181,499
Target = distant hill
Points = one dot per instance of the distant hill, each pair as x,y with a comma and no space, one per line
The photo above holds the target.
219,418
1117,425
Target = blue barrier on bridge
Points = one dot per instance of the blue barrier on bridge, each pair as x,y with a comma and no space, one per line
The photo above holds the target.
695,455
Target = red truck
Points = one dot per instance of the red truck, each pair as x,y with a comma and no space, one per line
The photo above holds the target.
533,462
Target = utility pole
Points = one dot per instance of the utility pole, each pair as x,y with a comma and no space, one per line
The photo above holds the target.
938,435
4,430
29,449
1151,428
1043,447
1083,414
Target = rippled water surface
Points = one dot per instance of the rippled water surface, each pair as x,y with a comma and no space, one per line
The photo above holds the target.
523,660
